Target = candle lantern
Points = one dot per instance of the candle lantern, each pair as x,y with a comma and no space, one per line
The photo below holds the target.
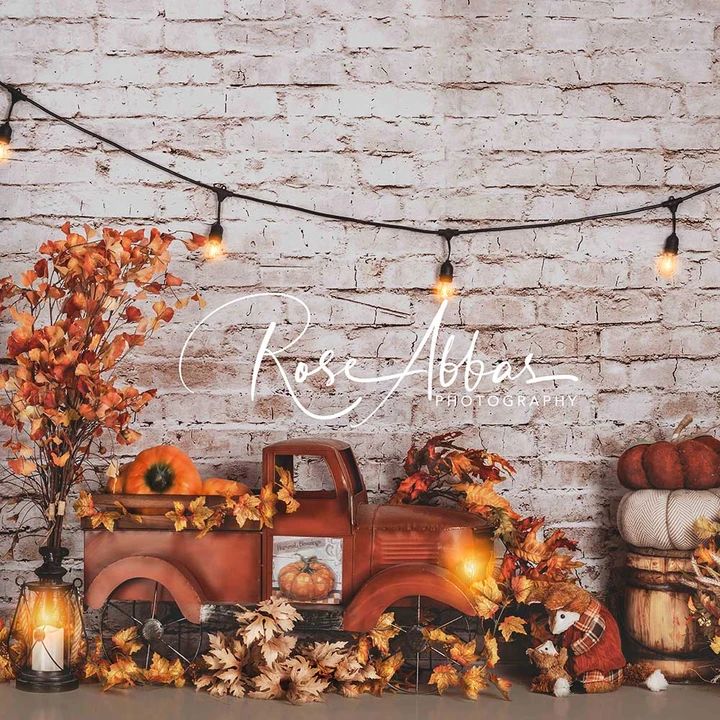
467,553
47,640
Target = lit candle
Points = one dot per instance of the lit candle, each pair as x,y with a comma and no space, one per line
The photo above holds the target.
48,648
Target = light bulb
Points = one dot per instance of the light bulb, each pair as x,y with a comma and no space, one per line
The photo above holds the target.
667,262
667,265
445,288
5,137
214,247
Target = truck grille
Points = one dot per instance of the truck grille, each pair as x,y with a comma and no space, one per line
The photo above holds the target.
404,548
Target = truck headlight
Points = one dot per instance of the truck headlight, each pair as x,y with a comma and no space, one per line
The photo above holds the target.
467,554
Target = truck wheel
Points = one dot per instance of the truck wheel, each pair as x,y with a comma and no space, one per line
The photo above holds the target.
161,628
421,655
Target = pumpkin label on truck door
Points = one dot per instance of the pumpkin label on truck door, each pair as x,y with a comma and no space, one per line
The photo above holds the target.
307,569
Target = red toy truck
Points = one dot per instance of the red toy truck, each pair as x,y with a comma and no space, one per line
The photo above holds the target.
360,558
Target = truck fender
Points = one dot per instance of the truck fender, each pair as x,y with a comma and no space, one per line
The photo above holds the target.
183,587
394,583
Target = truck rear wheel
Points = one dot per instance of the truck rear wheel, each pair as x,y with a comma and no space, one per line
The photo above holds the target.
161,627
422,655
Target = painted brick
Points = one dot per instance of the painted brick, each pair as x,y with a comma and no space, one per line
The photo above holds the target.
461,113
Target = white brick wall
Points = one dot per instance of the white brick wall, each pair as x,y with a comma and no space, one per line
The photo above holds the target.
461,112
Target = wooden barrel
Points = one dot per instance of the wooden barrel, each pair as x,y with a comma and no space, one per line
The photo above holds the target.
656,615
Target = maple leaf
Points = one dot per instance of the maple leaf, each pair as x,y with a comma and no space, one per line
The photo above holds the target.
107,519
216,519
444,677
556,568
512,624
383,632
278,647
464,653
165,672
22,466
435,634
305,683
286,493
85,505
352,668
245,508
486,597
126,640
535,550
479,497
199,513
124,672
364,645
413,486
178,516
706,529
387,667
267,507
502,685
521,588
270,618
491,649
704,555
269,683
473,681
327,656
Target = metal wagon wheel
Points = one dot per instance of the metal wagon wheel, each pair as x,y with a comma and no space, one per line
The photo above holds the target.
161,628
421,655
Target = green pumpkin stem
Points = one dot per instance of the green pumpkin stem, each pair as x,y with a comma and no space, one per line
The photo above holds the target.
159,477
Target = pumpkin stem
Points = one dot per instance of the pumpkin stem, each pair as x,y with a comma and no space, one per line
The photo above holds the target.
159,477
306,563
681,426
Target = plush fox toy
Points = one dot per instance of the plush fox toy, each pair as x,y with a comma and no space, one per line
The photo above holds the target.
591,636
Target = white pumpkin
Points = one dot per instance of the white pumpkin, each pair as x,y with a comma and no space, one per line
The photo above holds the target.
665,519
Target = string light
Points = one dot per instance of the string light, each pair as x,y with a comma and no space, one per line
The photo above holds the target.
444,287
214,248
5,128
667,262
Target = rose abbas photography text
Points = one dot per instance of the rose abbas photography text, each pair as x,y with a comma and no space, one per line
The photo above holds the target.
449,382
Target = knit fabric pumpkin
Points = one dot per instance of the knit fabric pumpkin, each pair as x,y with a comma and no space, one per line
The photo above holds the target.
665,519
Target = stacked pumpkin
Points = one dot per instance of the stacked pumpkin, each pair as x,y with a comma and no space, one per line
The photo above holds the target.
167,470
674,484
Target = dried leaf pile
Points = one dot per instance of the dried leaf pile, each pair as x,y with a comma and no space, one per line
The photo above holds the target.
263,660
121,670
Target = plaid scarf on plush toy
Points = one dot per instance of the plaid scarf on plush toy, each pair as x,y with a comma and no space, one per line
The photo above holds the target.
592,626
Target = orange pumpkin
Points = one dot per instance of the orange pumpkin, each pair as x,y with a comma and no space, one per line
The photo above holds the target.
221,486
162,469
692,464
306,580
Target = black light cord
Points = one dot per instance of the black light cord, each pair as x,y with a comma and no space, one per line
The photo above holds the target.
222,193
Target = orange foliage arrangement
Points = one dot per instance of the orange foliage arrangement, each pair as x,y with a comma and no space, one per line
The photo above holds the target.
442,471
85,304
